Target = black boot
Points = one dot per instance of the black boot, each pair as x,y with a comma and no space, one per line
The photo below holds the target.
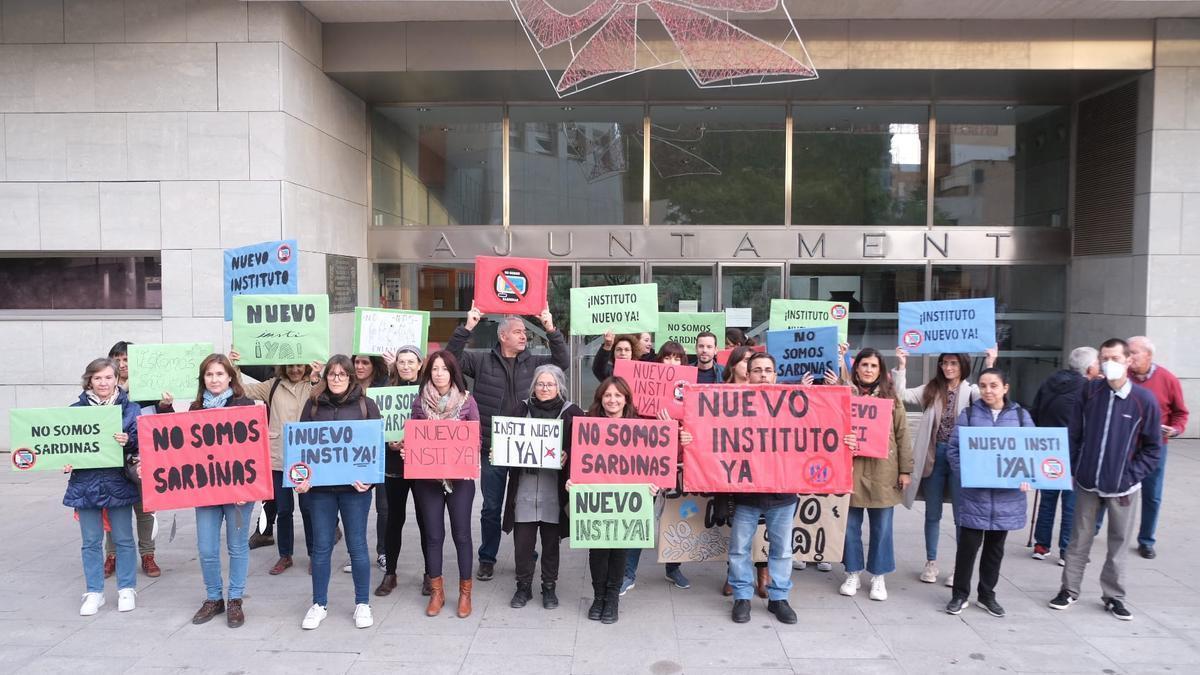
522,596
611,599
549,597
597,608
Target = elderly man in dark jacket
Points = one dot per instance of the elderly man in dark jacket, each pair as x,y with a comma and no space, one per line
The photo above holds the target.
502,377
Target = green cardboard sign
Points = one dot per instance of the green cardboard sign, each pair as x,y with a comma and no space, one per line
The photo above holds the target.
47,439
171,368
611,516
395,405
382,330
810,314
620,309
683,327
277,330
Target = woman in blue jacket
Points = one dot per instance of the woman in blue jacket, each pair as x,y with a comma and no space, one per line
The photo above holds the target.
985,515
91,492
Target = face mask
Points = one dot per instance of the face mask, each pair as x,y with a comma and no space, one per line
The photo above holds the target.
1113,370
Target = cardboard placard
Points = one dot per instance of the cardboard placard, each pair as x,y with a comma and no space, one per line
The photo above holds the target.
273,330
527,442
798,351
47,439
611,516
620,309
810,314
171,368
943,326
656,386
683,327
613,450
333,453
871,422
441,449
267,268
818,530
380,330
395,405
1005,457
511,285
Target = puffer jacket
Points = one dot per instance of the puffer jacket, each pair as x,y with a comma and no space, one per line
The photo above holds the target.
106,488
876,480
1134,444
285,405
500,388
1057,401
989,508
328,408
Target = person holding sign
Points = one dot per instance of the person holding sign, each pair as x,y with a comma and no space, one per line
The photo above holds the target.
338,397
879,484
537,498
220,387
91,492
941,400
615,348
985,514
443,396
373,371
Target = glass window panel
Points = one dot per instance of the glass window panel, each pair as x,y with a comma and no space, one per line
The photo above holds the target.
752,287
576,165
684,283
859,165
873,293
81,283
1002,165
717,165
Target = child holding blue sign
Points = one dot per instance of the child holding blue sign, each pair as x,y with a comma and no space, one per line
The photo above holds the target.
985,514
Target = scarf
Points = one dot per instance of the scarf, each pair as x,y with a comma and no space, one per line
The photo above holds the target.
217,400
93,399
867,389
439,407
545,410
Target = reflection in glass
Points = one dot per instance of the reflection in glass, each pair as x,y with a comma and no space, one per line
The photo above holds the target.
684,284
81,283
752,287
873,293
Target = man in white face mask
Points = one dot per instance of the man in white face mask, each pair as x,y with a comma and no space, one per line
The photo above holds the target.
1114,447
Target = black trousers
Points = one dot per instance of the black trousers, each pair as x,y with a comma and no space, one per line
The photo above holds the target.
434,504
397,489
524,539
608,567
969,541
272,512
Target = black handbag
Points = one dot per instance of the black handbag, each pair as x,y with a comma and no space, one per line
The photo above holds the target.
131,468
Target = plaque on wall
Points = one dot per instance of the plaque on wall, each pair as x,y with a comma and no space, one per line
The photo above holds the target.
341,282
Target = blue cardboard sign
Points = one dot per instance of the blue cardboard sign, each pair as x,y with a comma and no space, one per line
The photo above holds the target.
333,453
803,350
1005,457
269,268
942,326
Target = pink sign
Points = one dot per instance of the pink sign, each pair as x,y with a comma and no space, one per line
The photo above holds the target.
608,450
656,386
441,449
871,422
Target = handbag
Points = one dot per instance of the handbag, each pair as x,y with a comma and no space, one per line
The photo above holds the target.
131,468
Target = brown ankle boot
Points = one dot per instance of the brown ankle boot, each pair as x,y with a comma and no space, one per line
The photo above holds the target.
387,585
437,596
464,598
764,576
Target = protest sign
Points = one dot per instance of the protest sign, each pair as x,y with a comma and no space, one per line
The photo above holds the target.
810,314
656,386
871,422
620,309
381,330
171,368
940,326
803,350
739,317
614,450
689,531
818,530
333,453
437,449
205,457
767,438
683,327
723,354
1005,457
527,442
511,285
47,439
395,405
281,329
611,516
269,268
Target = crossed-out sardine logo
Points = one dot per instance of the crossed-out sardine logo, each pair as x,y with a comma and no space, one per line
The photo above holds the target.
912,338
284,253
511,285
299,472
1052,468
838,312
24,458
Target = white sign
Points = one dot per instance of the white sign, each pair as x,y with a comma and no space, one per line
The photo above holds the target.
739,317
689,305
527,442
380,330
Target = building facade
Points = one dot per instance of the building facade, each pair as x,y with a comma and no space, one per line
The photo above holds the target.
953,150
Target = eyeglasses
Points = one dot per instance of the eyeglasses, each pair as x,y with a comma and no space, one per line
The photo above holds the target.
763,371
546,385
338,376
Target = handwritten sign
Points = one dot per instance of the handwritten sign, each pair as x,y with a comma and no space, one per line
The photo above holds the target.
620,309
683,327
948,326
269,268
172,368
608,450
446,449
527,442
379,330
810,314
47,439
767,438
281,329
1005,457
798,351
690,531
333,453
871,422
395,405
511,285
205,457
818,530
611,516
656,386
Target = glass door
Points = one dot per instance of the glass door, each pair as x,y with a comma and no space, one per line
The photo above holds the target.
685,288
752,287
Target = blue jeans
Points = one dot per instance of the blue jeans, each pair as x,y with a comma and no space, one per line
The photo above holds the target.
880,559
633,556
324,508
493,480
237,541
1152,491
91,531
1043,530
779,555
935,486
285,506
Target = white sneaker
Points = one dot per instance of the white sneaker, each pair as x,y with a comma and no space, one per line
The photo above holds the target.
316,614
799,564
126,600
878,588
362,616
930,574
1062,562
824,566
950,580
347,568
92,602
850,585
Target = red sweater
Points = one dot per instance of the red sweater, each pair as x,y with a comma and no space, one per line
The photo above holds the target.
1165,387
